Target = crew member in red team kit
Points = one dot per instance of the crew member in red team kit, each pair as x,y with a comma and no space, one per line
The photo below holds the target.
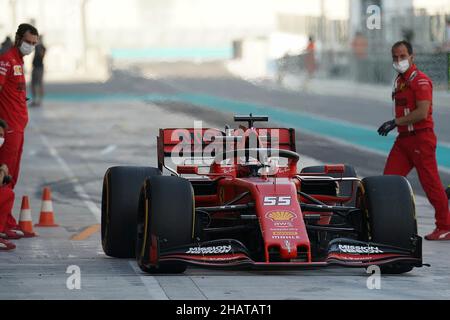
6,197
415,146
13,106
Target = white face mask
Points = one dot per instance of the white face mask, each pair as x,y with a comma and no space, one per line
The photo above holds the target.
2,141
402,66
26,48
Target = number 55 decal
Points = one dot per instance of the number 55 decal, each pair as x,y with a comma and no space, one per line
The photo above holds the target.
277,201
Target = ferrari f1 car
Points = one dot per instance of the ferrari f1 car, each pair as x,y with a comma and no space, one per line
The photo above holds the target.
248,206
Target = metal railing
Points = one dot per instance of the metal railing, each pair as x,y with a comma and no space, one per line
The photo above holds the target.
376,68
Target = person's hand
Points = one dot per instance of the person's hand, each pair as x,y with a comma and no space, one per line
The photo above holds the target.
386,127
4,169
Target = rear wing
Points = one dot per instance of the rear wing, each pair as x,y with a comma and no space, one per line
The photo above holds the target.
195,141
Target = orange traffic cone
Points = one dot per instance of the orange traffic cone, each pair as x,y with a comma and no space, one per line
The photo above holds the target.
46,218
25,222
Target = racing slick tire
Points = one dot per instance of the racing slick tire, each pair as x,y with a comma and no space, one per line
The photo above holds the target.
120,197
166,217
390,216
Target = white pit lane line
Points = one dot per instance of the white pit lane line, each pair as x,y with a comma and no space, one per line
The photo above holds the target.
96,212
151,284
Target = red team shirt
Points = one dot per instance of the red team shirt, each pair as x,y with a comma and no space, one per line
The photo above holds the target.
13,105
410,87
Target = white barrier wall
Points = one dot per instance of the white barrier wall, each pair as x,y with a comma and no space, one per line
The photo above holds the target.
253,61
77,51
131,24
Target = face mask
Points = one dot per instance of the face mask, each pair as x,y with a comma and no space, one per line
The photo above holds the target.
2,141
402,66
26,48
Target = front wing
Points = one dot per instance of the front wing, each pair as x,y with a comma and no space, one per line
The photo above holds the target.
229,253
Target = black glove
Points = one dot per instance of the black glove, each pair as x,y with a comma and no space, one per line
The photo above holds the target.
386,127
448,191
7,179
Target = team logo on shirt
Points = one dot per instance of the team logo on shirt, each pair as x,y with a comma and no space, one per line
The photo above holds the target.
4,67
18,70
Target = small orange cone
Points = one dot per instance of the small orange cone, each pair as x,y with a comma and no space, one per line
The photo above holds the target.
46,217
25,222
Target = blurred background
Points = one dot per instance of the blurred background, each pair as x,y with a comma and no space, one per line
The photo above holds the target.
256,39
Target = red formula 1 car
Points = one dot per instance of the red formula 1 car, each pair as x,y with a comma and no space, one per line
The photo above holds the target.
249,207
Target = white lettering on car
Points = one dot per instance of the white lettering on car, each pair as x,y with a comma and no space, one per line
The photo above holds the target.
209,250
359,249
277,201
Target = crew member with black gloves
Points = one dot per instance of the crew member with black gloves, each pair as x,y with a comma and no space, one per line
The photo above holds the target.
415,146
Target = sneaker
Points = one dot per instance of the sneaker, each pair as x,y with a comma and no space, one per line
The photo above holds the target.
27,234
438,234
12,234
6,245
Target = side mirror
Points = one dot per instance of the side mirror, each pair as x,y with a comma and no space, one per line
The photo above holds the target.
187,169
334,168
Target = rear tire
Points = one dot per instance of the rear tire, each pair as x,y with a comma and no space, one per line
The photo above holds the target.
390,215
166,220
120,197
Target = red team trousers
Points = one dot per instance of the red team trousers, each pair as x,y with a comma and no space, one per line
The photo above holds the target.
6,206
418,150
10,154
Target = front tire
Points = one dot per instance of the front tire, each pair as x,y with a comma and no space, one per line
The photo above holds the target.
166,217
390,215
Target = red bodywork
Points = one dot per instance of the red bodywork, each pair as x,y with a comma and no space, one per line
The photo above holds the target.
282,226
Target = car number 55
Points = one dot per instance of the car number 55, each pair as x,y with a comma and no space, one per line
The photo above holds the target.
277,201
